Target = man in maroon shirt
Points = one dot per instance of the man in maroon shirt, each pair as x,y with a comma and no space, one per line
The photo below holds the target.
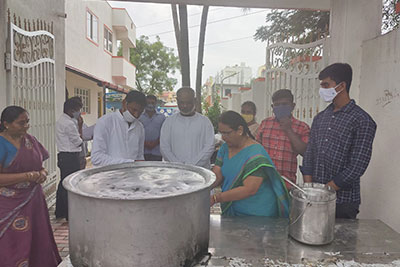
283,136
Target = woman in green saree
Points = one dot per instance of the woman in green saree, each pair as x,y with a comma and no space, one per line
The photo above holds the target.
250,183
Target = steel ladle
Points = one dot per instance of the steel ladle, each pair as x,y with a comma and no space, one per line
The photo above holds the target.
295,185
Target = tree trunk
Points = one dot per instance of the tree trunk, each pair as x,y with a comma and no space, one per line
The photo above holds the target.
200,56
184,45
175,18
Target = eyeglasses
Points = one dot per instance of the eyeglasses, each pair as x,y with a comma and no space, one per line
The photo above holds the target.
225,133
23,123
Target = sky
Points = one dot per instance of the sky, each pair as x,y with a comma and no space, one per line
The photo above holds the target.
222,47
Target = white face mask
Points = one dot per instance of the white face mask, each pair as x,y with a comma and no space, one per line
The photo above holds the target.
76,114
328,94
128,116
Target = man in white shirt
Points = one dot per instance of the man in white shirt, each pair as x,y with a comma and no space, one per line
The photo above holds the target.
69,143
119,136
187,136
87,135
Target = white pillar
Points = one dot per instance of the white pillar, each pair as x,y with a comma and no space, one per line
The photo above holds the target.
259,98
352,22
224,104
3,38
236,102
230,105
125,50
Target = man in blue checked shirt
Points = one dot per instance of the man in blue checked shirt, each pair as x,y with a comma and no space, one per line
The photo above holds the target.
340,145
152,122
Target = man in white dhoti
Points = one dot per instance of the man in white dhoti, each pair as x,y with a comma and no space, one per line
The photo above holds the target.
119,136
187,137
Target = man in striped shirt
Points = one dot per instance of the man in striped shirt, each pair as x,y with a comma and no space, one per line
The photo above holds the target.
283,136
341,140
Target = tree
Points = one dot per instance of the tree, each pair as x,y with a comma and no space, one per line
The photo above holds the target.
155,63
213,112
303,25
309,26
390,18
200,56
182,42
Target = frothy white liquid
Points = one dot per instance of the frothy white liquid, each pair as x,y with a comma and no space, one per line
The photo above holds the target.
141,183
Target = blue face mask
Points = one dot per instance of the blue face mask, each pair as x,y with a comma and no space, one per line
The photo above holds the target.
150,107
282,111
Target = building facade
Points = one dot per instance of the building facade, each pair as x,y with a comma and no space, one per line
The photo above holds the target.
231,78
98,38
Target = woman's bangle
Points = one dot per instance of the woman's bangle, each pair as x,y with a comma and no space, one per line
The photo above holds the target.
29,175
215,198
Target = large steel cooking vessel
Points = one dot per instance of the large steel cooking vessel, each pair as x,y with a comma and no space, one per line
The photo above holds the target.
312,216
134,215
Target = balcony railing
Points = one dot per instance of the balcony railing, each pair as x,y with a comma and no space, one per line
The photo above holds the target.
123,72
123,26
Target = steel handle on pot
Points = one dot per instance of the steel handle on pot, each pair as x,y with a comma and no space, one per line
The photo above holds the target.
302,213
305,194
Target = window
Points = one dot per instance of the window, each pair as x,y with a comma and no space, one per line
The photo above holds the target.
91,24
84,94
228,92
107,39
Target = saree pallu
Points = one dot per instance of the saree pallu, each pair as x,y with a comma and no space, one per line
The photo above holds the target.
271,199
26,236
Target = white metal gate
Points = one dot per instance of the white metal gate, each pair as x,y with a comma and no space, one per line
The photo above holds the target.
296,67
30,64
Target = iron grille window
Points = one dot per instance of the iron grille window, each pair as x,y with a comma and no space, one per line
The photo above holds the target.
107,40
84,94
92,26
